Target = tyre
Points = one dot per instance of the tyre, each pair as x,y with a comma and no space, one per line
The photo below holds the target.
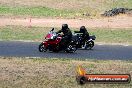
71,48
42,48
81,80
89,45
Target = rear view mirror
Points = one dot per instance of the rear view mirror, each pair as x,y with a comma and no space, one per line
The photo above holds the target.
52,29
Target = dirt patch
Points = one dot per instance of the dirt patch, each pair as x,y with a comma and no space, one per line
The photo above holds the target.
58,4
114,22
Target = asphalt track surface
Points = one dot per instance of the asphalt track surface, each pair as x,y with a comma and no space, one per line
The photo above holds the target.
30,49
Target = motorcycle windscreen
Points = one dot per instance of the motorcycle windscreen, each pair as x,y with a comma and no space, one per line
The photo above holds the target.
48,36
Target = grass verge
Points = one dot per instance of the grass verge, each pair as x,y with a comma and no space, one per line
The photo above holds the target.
56,73
37,33
36,12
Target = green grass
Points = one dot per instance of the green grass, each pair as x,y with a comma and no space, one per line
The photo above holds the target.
56,73
113,35
22,33
35,12
38,33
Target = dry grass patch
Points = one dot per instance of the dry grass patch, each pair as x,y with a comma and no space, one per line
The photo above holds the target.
80,7
56,73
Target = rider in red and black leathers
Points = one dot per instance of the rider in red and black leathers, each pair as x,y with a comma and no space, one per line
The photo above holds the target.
67,35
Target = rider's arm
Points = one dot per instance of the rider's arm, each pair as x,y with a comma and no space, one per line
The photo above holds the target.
59,31
86,34
77,31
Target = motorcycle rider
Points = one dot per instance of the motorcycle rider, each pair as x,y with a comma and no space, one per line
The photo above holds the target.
85,34
67,35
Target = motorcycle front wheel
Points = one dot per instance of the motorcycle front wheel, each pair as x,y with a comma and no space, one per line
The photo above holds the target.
42,48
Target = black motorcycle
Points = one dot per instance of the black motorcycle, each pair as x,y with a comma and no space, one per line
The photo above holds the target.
85,44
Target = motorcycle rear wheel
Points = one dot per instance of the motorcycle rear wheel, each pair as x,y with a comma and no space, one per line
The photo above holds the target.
89,45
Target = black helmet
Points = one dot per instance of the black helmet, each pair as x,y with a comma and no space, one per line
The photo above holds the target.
82,29
64,27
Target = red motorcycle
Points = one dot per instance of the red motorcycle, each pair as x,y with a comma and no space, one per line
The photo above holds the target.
52,43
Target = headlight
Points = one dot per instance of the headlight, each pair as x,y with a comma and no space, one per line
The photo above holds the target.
52,37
